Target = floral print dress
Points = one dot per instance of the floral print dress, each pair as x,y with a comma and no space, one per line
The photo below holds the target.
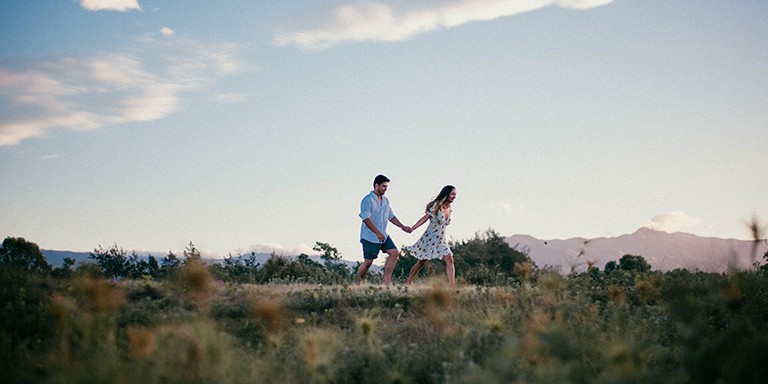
432,245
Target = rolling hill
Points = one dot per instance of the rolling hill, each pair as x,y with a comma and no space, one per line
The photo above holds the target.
664,251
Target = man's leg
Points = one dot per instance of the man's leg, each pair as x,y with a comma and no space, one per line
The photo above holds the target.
389,265
363,269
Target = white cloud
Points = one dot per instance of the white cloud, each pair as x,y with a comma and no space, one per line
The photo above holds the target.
377,21
186,58
507,208
110,5
102,91
167,31
672,222
108,89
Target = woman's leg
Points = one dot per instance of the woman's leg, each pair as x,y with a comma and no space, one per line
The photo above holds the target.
450,270
415,270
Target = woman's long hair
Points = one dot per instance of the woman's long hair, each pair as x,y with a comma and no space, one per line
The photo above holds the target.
440,199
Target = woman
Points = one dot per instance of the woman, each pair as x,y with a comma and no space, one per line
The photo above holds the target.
432,245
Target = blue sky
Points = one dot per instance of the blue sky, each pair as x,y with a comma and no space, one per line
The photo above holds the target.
259,125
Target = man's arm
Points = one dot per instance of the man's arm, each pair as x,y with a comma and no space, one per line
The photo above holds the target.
369,224
365,214
397,222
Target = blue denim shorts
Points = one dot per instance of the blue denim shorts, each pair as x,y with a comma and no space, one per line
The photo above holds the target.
371,250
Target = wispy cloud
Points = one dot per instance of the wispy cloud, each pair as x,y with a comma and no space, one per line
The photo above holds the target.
111,88
508,208
229,98
673,222
380,21
167,31
110,5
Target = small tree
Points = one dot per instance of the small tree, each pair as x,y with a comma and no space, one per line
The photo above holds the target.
65,270
241,268
305,260
332,256
169,265
764,267
20,256
487,252
140,267
112,262
153,268
634,263
192,254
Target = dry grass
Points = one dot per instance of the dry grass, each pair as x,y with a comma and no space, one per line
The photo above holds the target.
583,328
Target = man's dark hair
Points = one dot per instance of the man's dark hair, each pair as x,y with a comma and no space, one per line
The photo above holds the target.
380,179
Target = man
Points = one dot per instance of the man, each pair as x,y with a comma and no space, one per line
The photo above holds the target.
376,212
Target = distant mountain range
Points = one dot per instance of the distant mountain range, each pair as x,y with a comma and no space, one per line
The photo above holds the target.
663,251
56,258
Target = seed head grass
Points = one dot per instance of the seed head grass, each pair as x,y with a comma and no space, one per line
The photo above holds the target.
590,327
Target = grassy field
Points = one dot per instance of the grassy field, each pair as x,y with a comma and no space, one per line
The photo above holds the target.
593,327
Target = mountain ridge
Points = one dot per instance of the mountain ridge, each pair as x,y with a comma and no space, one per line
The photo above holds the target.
663,251
56,258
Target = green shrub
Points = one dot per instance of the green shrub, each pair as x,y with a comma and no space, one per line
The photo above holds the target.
626,325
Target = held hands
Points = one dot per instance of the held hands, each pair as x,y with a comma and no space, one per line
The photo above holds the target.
407,229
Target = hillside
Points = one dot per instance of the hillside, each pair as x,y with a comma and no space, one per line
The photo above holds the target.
56,258
664,251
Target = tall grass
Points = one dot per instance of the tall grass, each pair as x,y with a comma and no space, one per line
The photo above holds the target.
593,327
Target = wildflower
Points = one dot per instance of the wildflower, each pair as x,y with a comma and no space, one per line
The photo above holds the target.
524,270
494,323
318,347
196,279
270,311
616,294
142,342
594,311
646,290
551,281
439,297
367,326
733,295
61,306
437,300
101,295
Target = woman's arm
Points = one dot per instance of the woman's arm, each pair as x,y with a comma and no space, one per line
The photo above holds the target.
397,222
420,222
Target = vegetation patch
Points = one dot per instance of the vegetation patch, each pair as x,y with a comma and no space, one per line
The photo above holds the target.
508,322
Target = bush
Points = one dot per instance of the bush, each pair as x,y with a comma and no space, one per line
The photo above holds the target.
627,325
20,257
488,259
